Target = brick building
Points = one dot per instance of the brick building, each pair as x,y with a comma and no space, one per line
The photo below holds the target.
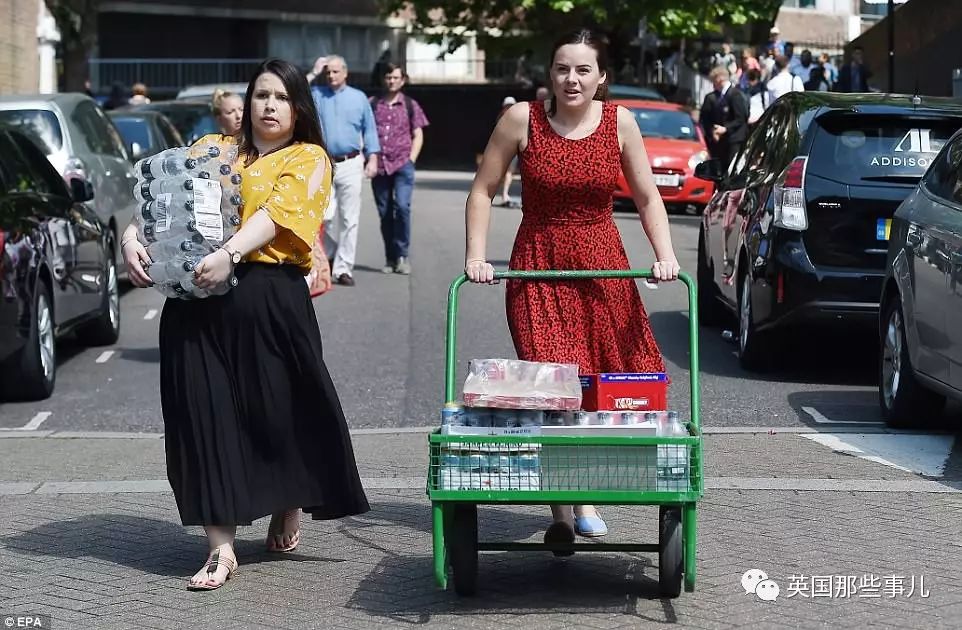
828,25
19,61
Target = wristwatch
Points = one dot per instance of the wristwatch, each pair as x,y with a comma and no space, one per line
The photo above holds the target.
235,256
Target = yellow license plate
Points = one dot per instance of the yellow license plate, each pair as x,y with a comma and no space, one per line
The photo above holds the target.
883,229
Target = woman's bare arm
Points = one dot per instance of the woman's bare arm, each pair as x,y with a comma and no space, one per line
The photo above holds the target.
651,209
506,141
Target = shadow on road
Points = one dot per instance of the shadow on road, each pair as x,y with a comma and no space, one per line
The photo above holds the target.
829,357
401,586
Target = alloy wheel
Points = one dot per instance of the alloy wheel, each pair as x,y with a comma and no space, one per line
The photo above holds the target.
892,358
45,337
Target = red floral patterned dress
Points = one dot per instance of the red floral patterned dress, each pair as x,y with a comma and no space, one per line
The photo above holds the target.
567,223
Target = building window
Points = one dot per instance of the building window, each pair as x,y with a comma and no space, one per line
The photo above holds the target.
876,8
799,4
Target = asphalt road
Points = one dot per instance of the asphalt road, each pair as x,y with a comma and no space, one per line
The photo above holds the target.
384,341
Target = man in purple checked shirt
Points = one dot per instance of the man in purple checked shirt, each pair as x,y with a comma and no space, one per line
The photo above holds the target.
399,121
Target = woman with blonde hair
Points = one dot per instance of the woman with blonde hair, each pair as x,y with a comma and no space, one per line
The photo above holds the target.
228,110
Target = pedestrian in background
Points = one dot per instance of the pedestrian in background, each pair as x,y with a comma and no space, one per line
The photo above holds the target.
806,64
506,200
724,117
726,58
118,96
139,95
228,110
351,135
574,147
831,72
252,422
816,81
759,97
749,62
400,121
854,76
775,45
784,81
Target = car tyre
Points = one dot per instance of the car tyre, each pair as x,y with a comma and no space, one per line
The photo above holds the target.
904,401
35,366
709,310
753,354
105,329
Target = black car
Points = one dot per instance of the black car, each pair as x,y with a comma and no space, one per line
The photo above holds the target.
921,339
797,231
192,118
145,133
57,271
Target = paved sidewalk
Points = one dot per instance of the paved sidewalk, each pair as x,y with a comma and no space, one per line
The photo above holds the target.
107,559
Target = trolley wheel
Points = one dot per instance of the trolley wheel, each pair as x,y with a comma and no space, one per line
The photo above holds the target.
462,541
670,551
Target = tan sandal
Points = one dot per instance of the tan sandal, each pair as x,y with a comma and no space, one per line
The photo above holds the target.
214,561
275,532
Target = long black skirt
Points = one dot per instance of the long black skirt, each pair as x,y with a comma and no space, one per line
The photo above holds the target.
252,422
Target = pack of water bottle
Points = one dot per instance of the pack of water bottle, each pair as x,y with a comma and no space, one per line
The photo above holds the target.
188,205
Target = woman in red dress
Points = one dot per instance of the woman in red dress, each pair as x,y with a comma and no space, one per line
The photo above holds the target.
571,149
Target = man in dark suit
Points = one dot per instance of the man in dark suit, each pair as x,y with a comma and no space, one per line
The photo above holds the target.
724,117
854,76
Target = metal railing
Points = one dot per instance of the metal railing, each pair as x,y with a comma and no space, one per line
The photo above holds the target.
168,75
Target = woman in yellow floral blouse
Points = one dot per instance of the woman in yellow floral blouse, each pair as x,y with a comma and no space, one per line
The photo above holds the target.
253,425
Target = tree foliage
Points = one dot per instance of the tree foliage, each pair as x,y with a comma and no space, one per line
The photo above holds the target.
669,18
77,22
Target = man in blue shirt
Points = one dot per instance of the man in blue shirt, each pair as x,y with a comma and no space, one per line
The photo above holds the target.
351,137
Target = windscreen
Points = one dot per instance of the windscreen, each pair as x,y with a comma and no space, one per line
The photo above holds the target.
40,124
858,148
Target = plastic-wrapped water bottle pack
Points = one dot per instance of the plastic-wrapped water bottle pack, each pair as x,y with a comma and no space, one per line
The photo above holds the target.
189,204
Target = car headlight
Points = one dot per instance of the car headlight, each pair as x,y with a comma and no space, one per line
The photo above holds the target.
697,159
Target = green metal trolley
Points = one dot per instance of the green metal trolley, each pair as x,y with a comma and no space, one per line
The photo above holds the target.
470,470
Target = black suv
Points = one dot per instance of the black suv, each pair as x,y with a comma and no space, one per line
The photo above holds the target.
798,229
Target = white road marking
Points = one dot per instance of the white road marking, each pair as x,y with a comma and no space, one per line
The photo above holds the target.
922,454
152,313
820,419
36,421
105,356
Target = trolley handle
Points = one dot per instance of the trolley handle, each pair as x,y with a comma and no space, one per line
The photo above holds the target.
451,344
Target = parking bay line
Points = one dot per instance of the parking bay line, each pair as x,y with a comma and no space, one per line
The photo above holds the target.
36,421
152,313
105,356
821,419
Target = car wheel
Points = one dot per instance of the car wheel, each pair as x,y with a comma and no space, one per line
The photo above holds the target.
709,310
752,352
105,329
35,369
903,399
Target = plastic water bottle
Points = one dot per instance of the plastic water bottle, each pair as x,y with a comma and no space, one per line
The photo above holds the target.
452,414
167,166
148,191
672,466
170,271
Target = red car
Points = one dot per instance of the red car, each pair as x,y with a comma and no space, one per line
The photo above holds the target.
675,145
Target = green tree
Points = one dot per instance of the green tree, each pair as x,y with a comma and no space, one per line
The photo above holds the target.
77,22
669,18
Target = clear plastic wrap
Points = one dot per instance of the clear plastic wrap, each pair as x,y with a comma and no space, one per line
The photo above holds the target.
513,384
188,205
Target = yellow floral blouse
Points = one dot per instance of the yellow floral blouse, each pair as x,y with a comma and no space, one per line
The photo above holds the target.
294,186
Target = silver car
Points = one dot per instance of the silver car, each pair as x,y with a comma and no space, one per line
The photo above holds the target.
80,141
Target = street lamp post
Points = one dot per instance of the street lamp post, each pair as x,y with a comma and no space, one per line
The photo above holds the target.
891,17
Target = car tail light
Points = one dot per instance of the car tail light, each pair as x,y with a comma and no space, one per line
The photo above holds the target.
790,196
780,288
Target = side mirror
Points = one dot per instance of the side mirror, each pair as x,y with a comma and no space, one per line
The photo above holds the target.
711,170
81,190
136,151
